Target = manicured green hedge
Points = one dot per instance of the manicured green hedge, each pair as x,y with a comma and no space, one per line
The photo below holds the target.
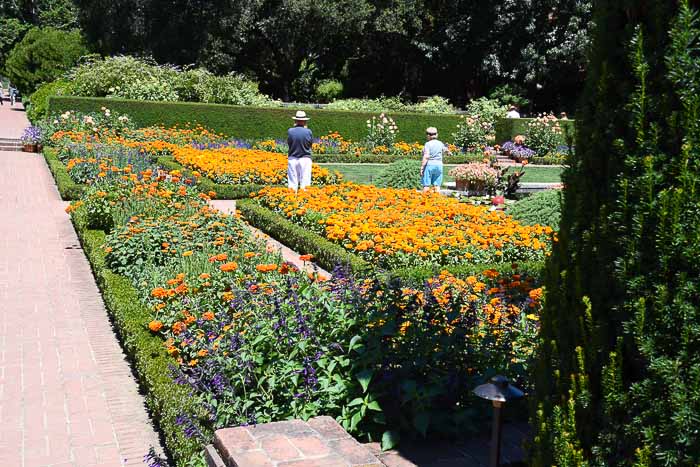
253,123
326,254
67,188
506,128
164,398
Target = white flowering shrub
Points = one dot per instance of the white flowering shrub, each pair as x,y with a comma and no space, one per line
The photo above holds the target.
381,131
545,134
474,132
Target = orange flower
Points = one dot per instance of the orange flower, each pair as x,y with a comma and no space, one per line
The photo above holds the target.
227,296
266,267
155,326
207,316
219,257
159,292
306,257
179,327
204,275
228,267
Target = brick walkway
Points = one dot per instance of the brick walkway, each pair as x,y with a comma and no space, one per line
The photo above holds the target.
12,120
67,395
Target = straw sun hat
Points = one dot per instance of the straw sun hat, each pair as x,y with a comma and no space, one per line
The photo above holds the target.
300,115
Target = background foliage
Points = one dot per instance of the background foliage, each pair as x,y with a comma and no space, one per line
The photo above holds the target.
461,50
618,381
252,122
42,56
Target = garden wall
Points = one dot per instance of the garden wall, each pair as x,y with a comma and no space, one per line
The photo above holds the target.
506,128
254,122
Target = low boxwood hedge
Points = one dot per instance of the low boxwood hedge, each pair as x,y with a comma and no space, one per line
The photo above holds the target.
328,255
146,351
253,123
506,128
67,188
388,158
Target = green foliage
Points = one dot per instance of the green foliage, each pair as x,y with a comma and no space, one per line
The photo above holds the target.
38,105
416,276
544,134
434,105
143,79
67,188
380,104
329,90
164,399
488,110
618,382
508,94
473,132
400,174
542,208
252,123
459,158
42,56
11,32
381,131
328,255
507,128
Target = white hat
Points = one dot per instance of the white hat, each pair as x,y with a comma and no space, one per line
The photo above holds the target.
300,115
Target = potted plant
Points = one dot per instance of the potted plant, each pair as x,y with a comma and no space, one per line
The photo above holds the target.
31,138
476,178
517,150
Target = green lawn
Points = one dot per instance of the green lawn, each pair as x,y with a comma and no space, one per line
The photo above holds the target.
366,173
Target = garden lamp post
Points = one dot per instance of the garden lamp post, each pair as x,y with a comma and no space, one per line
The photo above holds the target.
498,391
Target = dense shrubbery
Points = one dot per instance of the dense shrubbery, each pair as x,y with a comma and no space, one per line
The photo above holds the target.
143,79
618,381
400,174
38,103
42,56
542,208
434,104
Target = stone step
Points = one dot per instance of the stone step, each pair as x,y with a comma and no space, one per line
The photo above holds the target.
10,148
318,441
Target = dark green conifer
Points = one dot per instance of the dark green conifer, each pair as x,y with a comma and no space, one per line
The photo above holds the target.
619,378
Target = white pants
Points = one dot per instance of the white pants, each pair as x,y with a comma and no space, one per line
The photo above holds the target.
298,173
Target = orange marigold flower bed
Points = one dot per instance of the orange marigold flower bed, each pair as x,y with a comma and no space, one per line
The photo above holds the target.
246,166
396,228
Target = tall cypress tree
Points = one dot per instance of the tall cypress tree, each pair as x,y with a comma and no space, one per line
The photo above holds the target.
619,378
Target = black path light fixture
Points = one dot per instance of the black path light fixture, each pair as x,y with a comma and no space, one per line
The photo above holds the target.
499,391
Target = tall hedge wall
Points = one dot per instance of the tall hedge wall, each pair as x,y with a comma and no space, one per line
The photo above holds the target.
506,128
254,122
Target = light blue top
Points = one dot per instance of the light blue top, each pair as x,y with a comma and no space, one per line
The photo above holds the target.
434,148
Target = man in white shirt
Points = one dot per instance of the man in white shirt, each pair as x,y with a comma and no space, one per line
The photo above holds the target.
513,112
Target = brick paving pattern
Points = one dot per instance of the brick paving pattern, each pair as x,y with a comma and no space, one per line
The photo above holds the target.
12,119
67,394
320,442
